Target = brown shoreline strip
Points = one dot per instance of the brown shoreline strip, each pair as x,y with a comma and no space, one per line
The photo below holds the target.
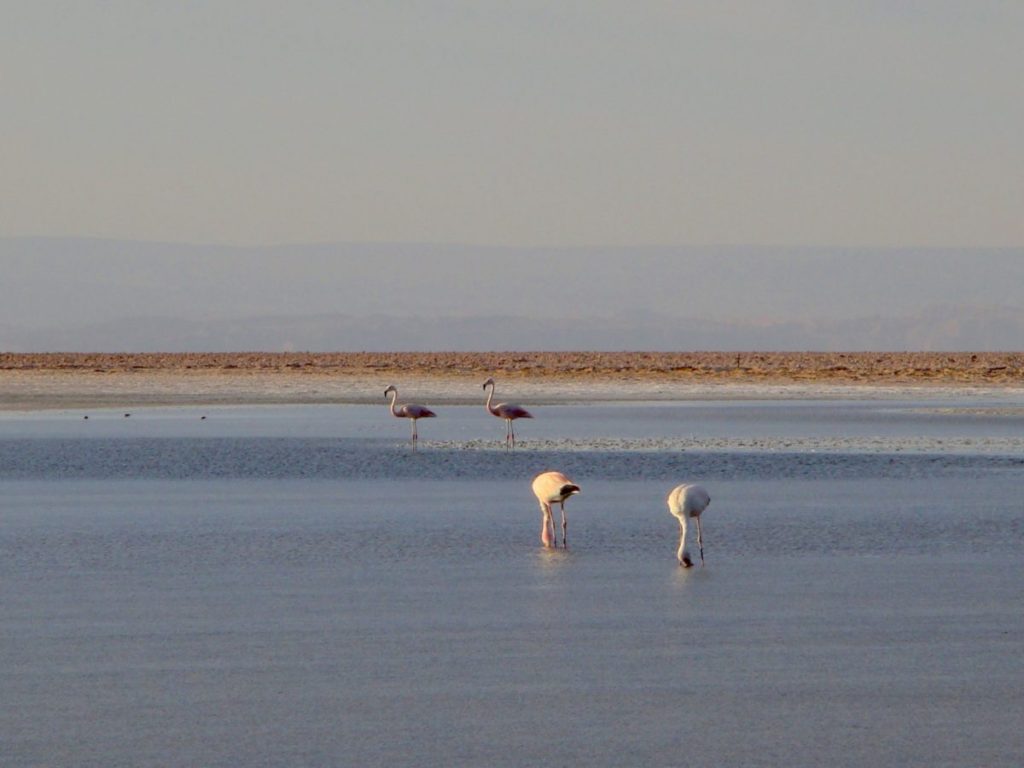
880,368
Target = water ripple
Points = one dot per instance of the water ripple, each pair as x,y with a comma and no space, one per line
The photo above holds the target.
298,458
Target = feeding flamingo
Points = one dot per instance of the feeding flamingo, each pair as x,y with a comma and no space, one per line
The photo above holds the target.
688,501
507,411
409,411
550,487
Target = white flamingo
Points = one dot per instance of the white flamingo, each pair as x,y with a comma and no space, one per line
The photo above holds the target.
688,501
409,411
550,487
507,411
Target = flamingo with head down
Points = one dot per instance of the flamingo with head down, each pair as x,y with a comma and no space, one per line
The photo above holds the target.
551,487
686,501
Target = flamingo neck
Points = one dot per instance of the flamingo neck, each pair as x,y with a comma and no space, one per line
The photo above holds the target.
547,525
394,397
490,394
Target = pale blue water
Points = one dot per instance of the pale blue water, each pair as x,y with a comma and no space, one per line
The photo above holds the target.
293,586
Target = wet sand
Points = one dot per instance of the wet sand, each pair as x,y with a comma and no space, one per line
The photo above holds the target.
55,380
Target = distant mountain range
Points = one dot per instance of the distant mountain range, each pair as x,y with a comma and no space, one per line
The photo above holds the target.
79,294
938,329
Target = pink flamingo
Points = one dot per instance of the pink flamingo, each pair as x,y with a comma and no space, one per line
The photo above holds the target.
550,487
507,411
409,411
688,501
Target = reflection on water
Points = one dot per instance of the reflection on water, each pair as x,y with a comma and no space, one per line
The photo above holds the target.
549,558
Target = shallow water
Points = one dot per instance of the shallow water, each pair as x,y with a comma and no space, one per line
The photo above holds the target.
294,586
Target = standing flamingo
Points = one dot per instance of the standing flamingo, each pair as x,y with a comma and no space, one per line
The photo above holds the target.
550,487
409,411
507,411
688,501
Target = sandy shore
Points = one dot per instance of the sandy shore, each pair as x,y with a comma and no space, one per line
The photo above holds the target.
38,381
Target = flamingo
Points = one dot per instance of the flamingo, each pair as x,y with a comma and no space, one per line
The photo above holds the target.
507,411
688,501
409,411
550,487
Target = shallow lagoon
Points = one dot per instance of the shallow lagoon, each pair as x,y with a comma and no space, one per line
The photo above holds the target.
294,586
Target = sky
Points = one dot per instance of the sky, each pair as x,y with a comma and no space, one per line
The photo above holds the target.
515,124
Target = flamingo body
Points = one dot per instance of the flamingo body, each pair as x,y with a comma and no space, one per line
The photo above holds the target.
549,488
413,411
510,411
507,411
686,501
410,411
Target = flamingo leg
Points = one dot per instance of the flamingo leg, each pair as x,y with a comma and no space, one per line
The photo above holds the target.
512,429
565,525
415,437
508,433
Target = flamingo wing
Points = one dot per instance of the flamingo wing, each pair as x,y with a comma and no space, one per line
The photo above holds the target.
511,411
553,486
413,411
689,500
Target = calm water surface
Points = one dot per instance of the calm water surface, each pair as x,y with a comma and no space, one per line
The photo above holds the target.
293,586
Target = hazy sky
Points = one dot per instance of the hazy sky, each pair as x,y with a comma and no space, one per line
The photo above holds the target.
515,123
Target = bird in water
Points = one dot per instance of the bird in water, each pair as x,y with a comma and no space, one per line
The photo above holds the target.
550,487
507,411
409,411
688,501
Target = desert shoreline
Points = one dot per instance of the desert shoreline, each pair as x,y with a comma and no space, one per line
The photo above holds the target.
30,381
